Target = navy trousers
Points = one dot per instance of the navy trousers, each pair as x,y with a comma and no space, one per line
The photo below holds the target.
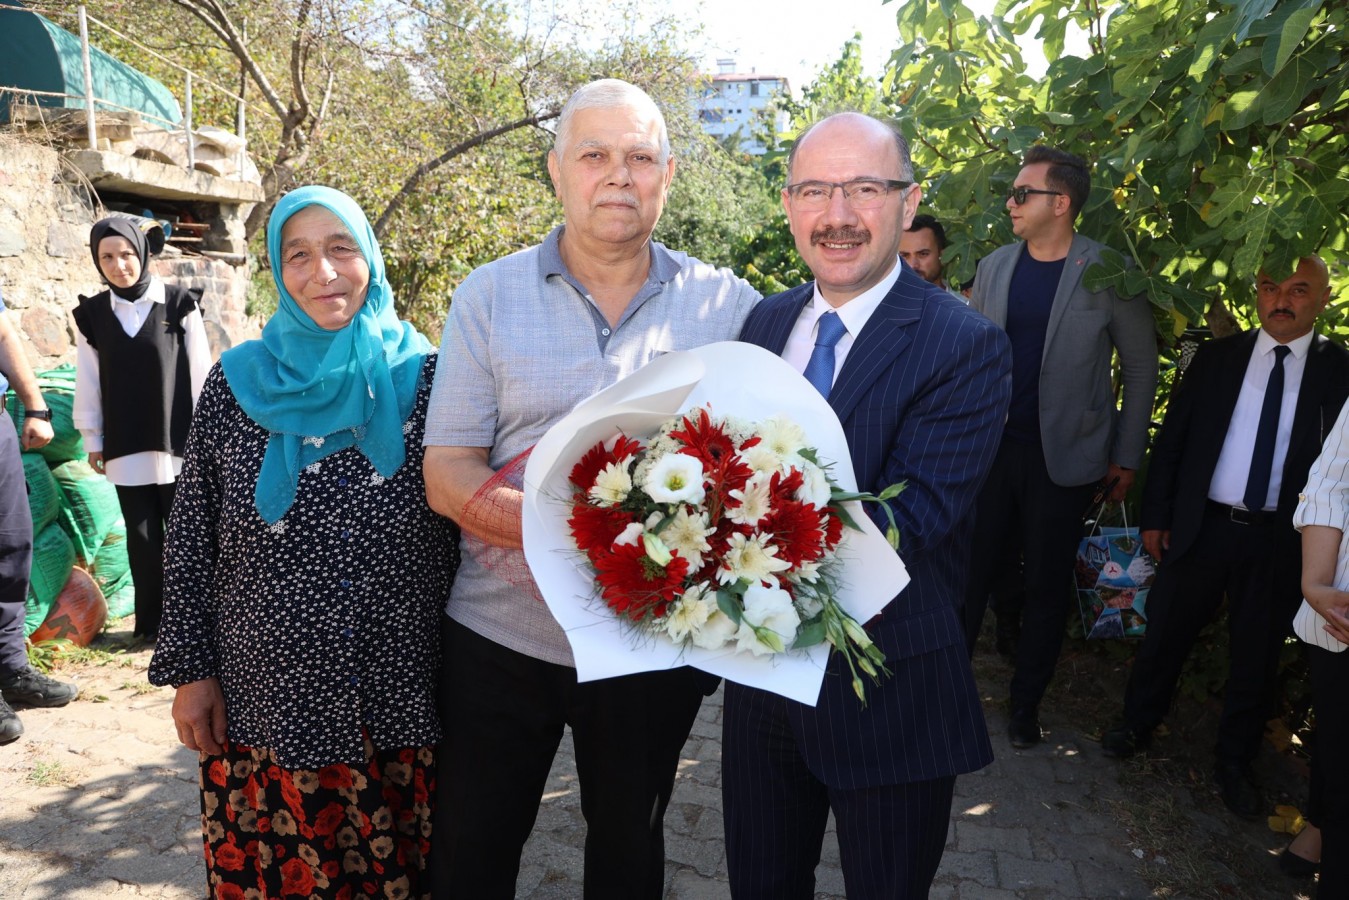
16,550
145,508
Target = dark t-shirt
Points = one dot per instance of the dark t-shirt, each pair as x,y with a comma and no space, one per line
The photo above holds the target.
1030,297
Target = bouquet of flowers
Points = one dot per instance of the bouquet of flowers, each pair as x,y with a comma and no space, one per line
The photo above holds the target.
719,532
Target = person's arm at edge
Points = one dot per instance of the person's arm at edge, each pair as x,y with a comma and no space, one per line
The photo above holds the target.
87,411
198,348
455,481
1134,335
1320,553
14,363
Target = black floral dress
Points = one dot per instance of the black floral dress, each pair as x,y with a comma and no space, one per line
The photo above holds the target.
323,632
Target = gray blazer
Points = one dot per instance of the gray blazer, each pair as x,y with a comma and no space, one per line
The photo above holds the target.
1080,427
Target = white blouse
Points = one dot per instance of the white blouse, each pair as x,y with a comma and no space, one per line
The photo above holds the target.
1325,501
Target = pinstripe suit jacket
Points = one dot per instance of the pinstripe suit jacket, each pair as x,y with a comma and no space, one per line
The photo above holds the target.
922,396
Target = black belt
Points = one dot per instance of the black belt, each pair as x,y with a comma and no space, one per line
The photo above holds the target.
1243,516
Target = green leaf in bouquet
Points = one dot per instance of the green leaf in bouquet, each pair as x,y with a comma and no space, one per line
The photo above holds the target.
809,634
728,601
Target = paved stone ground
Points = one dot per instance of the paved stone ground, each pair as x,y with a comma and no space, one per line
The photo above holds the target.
98,802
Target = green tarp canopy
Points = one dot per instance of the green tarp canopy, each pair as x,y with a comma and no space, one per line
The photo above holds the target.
36,54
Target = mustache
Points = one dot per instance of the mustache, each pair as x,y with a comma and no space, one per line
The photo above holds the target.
846,234
621,197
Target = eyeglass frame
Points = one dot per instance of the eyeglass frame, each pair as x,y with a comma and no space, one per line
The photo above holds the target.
1025,193
890,184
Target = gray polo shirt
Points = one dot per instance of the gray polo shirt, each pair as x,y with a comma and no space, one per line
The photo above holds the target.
523,344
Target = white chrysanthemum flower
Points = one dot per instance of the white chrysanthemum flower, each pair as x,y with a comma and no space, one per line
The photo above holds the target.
715,632
688,533
762,459
783,436
815,483
772,608
689,613
754,501
629,535
808,572
612,485
676,478
751,559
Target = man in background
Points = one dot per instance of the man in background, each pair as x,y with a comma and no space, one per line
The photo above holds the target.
20,683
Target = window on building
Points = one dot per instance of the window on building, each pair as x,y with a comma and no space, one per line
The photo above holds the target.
754,89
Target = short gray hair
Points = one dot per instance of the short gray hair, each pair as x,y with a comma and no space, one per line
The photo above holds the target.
901,143
610,93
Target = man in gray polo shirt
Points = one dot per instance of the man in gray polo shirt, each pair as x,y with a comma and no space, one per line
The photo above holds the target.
528,337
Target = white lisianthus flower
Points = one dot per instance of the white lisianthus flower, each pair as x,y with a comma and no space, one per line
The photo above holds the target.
783,436
747,641
715,632
688,533
762,459
751,559
612,485
629,535
772,608
754,501
815,488
676,478
689,613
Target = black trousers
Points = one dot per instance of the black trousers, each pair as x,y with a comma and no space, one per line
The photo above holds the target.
1257,567
16,550
1329,806
503,714
1021,506
145,507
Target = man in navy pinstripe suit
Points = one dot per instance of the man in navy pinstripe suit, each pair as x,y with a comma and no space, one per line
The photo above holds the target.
921,384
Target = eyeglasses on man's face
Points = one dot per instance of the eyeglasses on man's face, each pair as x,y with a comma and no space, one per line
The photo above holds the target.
1019,194
860,193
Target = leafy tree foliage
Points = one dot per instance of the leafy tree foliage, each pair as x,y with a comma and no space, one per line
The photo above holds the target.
1219,133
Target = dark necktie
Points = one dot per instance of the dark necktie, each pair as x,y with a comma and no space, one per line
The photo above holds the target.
1262,458
820,369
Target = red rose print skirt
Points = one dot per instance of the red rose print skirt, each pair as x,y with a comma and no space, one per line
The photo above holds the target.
341,833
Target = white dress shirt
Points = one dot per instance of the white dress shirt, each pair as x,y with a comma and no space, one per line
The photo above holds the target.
1228,486
150,466
854,314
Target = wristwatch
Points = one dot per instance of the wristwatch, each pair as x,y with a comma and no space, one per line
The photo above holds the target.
44,414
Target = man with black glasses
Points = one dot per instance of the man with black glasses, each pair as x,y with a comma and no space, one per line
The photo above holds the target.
1064,436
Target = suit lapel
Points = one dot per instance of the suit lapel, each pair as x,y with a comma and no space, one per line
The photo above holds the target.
777,328
883,338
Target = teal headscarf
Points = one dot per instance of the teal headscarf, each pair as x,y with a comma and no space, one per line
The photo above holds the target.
319,391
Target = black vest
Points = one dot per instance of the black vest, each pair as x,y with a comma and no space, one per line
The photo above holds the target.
144,378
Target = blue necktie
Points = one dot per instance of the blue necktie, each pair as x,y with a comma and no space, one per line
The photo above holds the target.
820,369
1262,458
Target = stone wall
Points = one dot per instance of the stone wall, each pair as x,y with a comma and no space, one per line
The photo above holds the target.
45,215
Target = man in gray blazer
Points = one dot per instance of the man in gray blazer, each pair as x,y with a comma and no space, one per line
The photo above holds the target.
1064,435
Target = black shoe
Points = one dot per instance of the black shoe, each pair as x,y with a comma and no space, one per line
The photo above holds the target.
1023,729
10,726
1123,741
29,687
1240,794
1296,866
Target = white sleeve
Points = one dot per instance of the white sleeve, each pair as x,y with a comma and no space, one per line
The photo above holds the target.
88,407
198,351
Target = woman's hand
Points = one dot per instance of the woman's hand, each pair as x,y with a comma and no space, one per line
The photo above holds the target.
96,461
199,716
1333,606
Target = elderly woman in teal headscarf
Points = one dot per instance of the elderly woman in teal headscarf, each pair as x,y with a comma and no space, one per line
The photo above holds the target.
304,576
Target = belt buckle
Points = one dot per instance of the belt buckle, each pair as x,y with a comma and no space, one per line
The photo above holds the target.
1243,516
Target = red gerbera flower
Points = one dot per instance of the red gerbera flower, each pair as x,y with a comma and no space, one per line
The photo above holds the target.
595,527
833,528
704,440
635,585
584,473
796,531
783,488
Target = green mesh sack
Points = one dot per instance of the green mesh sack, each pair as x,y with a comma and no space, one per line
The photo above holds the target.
89,507
121,598
58,390
112,572
44,497
53,558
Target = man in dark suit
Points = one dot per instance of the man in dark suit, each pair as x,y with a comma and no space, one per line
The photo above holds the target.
920,383
1063,434
1217,512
